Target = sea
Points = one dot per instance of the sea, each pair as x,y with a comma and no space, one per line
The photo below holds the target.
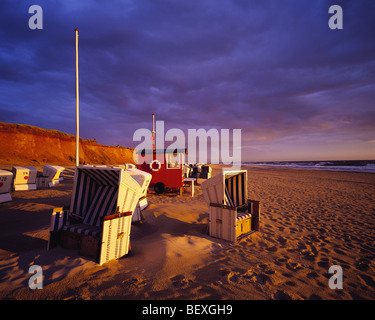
342,165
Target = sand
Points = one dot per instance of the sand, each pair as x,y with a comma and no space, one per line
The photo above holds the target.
310,221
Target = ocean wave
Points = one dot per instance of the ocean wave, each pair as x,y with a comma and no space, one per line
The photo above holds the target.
343,165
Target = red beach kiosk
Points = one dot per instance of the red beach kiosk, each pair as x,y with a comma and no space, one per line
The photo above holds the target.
166,168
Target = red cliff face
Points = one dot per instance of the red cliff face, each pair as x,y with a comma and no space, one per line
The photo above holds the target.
28,145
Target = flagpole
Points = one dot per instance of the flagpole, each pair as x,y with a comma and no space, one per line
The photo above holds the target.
77,103
153,131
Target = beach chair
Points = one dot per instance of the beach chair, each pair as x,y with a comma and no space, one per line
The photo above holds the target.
5,185
205,173
99,218
143,178
186,169
232,214
50,176
194,171
24,178
61,177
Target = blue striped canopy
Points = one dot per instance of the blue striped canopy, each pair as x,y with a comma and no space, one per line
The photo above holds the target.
95,193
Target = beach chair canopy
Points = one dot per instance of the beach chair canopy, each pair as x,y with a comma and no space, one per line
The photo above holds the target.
24,175
5,181
52,172
228,188
142,177
100,191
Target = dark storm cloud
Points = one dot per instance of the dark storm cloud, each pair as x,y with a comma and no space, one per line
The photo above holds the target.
272,68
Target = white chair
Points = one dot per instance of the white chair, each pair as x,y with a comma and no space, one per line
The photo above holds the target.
5,185
24,178
232,214
99,219
50,176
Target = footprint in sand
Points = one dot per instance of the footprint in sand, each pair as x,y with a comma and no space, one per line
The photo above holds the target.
282,241
237,276
362,264
308,254
338,251
312,275
369,281
134,283
324,263
272,249
281,295
181,282
293,230
281,261
261,274
263,278
294,266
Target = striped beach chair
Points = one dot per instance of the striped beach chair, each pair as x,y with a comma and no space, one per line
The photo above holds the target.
205,172
232,214
100,215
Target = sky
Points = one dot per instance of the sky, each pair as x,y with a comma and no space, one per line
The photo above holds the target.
272,68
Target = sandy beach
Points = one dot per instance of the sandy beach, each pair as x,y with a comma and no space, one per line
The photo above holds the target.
310,220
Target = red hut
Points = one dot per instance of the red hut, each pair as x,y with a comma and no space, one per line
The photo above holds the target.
166,168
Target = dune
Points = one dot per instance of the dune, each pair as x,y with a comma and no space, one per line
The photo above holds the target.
27,145
310,221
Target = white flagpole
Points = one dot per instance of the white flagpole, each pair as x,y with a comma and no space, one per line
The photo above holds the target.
153,131
77,103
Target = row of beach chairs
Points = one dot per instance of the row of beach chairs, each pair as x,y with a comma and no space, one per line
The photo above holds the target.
28,178
198,171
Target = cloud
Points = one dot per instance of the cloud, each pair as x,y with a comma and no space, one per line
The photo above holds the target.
274,70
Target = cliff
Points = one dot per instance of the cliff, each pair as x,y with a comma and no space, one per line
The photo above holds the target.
22,144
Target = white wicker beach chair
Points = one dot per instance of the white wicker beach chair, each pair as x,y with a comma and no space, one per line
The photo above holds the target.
5,185
232,214
99,219
50,176
24,178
